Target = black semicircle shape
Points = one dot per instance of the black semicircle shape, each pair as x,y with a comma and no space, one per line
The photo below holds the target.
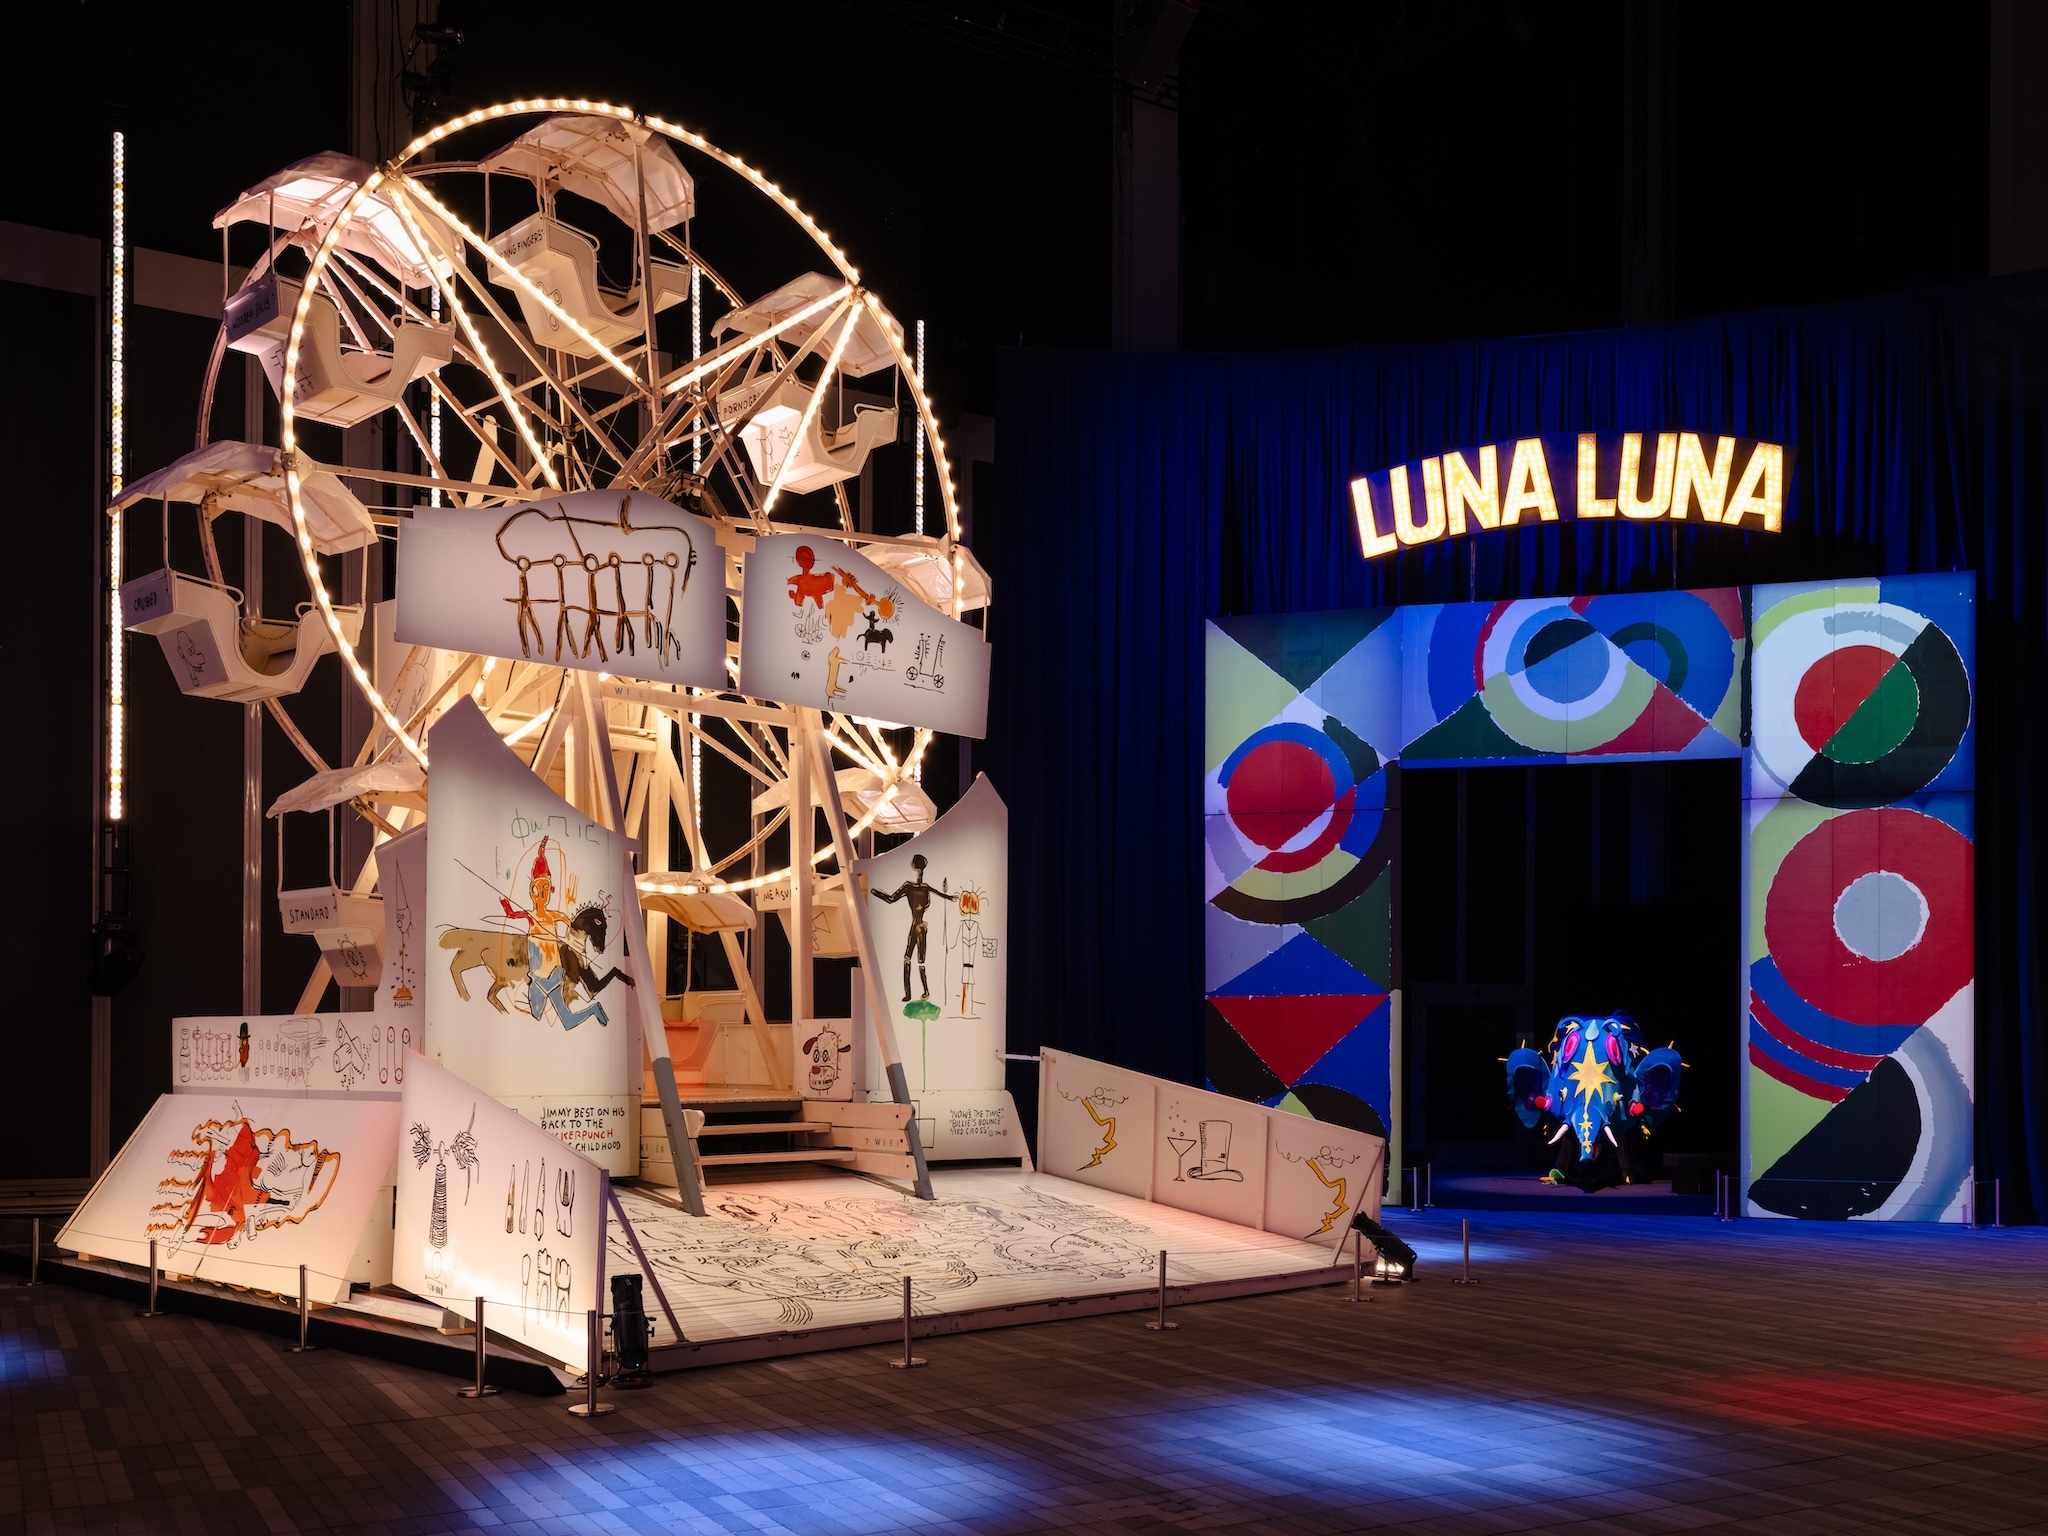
1340,1108
1233,1067
1848,1164
1300,909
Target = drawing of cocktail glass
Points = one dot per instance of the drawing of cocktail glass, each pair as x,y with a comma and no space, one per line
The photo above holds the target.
1215,1162
1180,1145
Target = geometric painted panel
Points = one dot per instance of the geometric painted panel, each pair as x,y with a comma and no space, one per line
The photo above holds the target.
1861,946
1617,678
1303,715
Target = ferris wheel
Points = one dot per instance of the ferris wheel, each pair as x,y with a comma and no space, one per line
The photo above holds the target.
535,306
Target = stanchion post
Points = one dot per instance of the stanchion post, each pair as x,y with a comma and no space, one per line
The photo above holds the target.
1997,1215
1466,1277
153,1272
590,1407
479,1390
1160,1324
35,1252
909,1362
1357,1267
305,1319
1429,1197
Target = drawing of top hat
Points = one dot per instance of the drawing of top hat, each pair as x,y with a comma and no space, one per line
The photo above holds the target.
1215,1163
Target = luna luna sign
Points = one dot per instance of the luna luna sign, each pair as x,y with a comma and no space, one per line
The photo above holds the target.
1735,482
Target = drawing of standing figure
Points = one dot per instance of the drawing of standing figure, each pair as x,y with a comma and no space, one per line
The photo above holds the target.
544,943
970,945
918,895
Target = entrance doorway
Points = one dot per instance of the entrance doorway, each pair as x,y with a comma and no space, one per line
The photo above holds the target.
1528,893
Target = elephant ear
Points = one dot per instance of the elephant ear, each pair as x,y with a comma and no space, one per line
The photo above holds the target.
1528,1080
1657,1084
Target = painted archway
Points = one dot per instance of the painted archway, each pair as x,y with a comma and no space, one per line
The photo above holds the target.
1851,704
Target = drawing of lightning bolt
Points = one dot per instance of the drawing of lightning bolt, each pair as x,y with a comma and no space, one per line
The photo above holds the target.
1336,1211
1108,1135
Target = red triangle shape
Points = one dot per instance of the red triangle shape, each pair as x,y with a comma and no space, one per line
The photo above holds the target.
1291,1034
1666,724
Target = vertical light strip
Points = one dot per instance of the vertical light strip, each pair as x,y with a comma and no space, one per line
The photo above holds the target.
696,351
116,470
434,398
917,767
920,430
696,781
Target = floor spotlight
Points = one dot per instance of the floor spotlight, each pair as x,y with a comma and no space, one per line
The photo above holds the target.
1396,1257
631,1332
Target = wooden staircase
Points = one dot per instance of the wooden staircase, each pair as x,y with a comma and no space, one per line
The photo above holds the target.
741,1139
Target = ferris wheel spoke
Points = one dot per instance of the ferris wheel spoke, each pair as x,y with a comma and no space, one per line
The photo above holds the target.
453,301
564,391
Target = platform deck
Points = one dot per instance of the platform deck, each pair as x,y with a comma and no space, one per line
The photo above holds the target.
799,1265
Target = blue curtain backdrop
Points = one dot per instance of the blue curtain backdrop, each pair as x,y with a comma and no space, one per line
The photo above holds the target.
1141,494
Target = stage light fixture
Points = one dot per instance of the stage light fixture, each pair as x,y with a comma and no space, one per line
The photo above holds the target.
1398,1257
632,1331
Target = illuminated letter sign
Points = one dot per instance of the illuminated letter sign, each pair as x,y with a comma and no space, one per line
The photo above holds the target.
1736,482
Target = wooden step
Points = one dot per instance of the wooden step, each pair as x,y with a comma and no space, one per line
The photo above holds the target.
801,1155
767,1128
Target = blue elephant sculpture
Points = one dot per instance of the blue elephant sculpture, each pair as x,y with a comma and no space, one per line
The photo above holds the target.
1599,1081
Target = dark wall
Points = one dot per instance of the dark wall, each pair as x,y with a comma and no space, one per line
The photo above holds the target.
48,435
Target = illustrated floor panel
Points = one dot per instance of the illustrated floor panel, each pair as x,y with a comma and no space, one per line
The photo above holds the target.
810,1253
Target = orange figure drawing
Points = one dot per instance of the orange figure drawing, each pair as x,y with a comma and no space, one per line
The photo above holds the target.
805,587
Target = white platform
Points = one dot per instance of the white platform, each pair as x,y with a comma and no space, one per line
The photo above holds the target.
798,1265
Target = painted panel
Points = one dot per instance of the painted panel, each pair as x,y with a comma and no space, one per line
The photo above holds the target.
938,908
827,628
290,1055
530,903
605,581
1095,1124
492,1206
1860,1036
243,1189
1304,714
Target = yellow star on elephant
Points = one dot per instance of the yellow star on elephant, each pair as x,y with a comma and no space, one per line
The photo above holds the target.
1591,1077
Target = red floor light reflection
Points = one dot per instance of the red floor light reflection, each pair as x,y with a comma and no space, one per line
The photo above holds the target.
2032,1345
1890,1405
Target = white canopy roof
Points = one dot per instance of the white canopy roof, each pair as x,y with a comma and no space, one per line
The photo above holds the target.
701,911
307,195
866,351
921,561
247,479
400,777
593,157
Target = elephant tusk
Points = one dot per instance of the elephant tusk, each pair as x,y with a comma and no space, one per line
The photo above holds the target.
1560,1133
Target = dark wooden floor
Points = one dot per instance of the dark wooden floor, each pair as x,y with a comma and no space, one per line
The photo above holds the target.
1610,1374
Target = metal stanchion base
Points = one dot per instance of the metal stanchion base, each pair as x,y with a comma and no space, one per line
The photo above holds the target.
481,1392
1160,1327
910,1364
1463,1280
588,1410
301,1349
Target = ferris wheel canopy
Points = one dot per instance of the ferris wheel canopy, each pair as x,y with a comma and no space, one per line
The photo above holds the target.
866,350
401,780
308,195
593,157
246,478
